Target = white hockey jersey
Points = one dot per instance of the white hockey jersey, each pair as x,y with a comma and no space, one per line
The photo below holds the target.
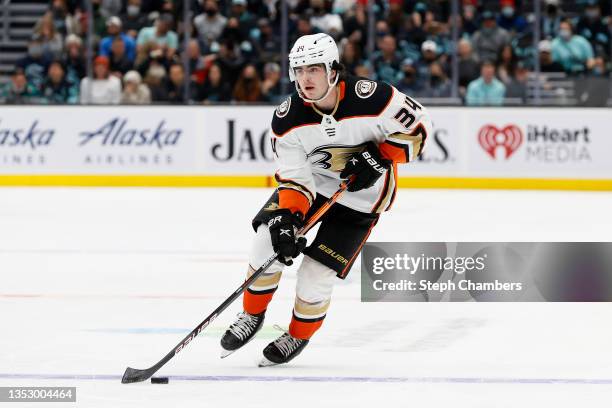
311,147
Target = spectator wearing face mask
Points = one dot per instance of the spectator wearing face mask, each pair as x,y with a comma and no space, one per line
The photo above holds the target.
410,84
490,39
509,19
438,84
210,23
572,51
324,20
248,86
133,20
592,28
551,18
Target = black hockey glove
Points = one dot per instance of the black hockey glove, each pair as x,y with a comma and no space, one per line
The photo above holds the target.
366,167
283,226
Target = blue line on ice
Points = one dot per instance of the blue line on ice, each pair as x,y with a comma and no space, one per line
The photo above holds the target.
263,378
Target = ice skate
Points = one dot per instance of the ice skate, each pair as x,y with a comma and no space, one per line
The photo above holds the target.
241,332
282,350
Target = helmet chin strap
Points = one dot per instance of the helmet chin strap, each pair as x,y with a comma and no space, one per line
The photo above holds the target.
330,86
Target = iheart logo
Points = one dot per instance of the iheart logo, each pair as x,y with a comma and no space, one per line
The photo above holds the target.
490,138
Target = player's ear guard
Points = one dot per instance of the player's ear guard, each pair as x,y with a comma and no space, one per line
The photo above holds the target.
366,167
283,225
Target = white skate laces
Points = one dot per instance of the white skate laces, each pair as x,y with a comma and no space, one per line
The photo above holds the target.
286,343
244,326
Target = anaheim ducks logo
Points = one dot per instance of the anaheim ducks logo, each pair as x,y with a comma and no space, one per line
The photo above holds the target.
365,88
283,108
333,157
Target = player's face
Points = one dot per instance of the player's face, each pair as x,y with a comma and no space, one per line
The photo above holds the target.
312,80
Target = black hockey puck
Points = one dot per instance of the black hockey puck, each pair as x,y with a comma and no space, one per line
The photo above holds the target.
159,380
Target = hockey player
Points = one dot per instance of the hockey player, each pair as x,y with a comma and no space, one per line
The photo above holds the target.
333,127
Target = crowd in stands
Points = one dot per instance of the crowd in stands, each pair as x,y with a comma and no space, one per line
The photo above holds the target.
234,50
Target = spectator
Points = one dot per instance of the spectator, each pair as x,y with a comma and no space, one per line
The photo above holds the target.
231,61
74,61
572,51
551,19
356,26
134,91
161,34
246,21
34,64
438,84
410,84
248,86
197,63
516,88
429,54
592,28
303,28
133,20
486,90
469,23
18,90
110,7
546,61
387,61
57,90
174,91
210,24
490,39
325,21
104,88
271,85
214,88
506,64
350,57
469,68
52,41
113,27
267,43
119,62
155,80
509,19
63,21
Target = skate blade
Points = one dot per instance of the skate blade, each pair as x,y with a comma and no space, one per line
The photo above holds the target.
266,363
225,353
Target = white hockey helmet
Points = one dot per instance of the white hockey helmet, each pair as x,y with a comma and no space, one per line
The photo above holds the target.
314,49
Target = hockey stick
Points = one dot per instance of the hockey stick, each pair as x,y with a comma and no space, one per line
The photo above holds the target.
133,375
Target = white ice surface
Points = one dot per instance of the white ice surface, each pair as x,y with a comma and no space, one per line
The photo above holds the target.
94,280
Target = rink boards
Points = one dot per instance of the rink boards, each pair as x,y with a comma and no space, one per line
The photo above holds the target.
513,148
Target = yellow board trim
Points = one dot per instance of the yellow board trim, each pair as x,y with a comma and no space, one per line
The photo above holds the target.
61,180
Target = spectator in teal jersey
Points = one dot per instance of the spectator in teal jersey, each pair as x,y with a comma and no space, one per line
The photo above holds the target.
18,90
572,51
486,90
57,90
